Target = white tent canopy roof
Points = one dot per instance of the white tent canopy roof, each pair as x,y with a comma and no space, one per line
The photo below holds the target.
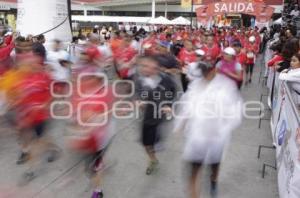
181,21
160,21
107,19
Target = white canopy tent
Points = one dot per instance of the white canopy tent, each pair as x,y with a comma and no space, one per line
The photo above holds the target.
112,19
181,21
160,21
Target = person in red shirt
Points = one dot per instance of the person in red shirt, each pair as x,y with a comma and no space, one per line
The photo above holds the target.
277,58
92,50
31,104
241,57
211,49
252,50
93,110
186,56
6,47
125,57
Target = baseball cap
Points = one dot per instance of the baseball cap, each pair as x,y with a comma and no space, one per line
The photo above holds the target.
200,52
252,38
230,51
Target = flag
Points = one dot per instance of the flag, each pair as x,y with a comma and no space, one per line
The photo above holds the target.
186,3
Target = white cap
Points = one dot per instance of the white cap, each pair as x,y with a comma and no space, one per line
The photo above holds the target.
178,38
252,39
200,52
8,33
230,51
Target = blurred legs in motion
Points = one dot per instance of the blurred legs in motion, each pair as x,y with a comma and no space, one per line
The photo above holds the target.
150,138
194,181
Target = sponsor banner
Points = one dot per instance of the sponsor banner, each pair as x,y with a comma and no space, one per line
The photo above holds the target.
267,2
270,79
48,15
262,11
186,3
288,163
278,102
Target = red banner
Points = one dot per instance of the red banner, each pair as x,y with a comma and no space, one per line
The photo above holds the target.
267,2
256,8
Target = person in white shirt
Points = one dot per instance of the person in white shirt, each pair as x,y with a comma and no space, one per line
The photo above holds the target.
54,59
295,12
209,111
292,75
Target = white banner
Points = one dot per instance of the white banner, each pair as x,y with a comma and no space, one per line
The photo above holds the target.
277,103
37,17
288,155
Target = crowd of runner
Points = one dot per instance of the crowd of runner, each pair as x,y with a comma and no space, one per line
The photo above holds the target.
203,69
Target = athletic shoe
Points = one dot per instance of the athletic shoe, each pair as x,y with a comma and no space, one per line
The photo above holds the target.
97,194
52,156
152,167
26,178
24,157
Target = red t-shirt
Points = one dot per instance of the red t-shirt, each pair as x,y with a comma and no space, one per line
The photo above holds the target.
187,57
93,52
212,53
241,58
125,55
277,58
251,52
98,103
33,98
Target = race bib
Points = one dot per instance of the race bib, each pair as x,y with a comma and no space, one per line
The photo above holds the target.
250,55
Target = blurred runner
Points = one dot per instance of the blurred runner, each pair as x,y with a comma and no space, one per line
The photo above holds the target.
210,110
92,119
155,93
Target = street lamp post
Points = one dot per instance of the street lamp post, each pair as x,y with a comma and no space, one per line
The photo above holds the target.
153,9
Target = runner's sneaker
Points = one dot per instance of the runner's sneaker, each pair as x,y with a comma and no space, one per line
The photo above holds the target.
24,157
97,194
152,167
52,156
26,178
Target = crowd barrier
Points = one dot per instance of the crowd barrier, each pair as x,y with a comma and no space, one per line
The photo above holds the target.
285,127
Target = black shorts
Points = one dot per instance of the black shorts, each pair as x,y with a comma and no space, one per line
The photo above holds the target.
250,68
149,135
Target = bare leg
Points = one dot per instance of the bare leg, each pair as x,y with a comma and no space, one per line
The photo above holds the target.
153,160
214,180
194,189
151,153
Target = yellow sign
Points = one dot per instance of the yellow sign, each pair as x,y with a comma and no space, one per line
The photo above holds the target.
186,3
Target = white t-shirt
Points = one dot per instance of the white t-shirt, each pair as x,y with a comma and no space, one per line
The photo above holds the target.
294,13
59,73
